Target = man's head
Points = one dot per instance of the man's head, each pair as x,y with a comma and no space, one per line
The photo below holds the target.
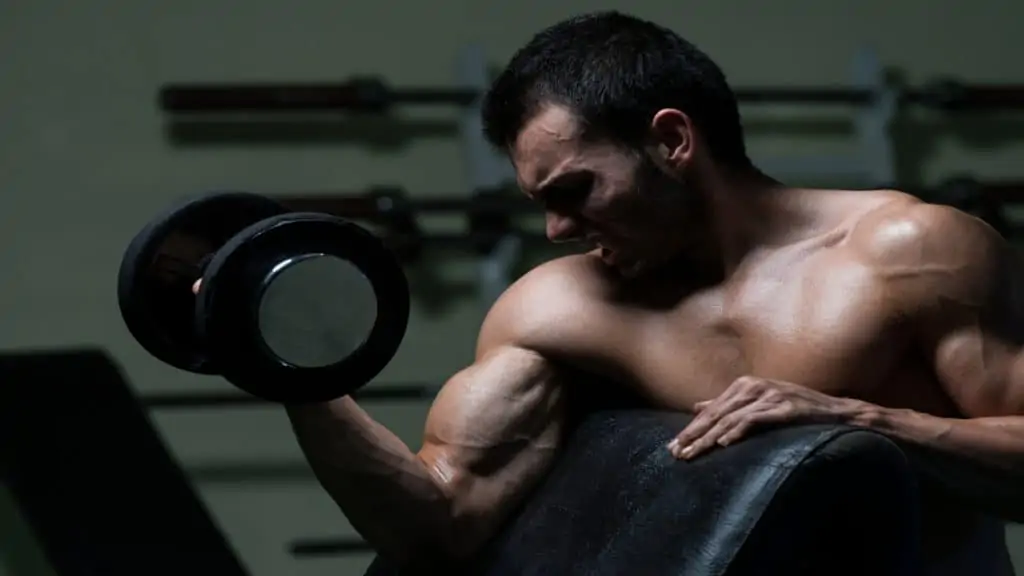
613,123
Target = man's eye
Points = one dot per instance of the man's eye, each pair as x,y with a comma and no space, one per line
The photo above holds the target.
568,195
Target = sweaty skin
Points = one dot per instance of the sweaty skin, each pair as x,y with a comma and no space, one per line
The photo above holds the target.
756,304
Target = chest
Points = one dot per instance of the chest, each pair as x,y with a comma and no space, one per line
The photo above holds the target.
828,331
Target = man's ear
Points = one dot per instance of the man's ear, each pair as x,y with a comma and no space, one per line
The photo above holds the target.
672,138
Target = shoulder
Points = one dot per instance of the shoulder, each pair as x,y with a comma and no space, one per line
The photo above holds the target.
906,230
912,246
559,303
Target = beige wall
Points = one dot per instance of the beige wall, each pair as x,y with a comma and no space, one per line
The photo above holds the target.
84,162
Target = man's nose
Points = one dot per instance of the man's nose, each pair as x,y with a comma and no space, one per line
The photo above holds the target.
561,227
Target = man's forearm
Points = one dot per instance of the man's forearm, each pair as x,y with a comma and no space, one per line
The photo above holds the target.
979,459
995,442
388,494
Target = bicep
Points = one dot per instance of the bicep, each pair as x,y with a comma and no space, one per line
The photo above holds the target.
977,341
492,432
977,369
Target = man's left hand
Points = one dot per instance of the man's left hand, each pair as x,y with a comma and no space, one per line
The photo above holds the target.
752,402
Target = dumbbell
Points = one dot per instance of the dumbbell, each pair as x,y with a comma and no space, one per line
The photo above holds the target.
293,307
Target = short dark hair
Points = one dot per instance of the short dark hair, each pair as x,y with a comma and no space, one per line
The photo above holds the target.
615,71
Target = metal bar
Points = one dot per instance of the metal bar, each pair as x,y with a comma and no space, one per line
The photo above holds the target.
965,192
373,95
379,203
459,241
992,96
1003,191
362,94
952,95
409,240
329,547
192,400
346,206
815,95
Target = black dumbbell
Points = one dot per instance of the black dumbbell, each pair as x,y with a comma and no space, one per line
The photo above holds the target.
293,306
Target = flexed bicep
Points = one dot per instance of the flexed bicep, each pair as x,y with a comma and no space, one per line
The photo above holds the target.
492,433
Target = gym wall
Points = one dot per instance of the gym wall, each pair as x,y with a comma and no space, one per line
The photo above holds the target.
85,161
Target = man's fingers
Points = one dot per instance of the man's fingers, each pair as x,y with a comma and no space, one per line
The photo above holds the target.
758,417
704,431
731,428
708,416
709,440
702,421
697,427
739,423
196,285
696,448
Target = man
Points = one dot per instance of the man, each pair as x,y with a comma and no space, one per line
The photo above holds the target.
712,288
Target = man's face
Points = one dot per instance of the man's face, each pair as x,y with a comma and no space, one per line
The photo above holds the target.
638,213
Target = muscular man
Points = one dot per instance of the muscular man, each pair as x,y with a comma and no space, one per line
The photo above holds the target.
712,288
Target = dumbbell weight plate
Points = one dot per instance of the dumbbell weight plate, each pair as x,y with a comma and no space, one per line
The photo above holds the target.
166,257
302,307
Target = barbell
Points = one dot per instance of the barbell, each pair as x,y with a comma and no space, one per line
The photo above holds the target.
373,94
490,214
293,307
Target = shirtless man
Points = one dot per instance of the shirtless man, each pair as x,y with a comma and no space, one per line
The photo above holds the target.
713,289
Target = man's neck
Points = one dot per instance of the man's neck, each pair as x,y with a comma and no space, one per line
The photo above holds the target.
749,211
